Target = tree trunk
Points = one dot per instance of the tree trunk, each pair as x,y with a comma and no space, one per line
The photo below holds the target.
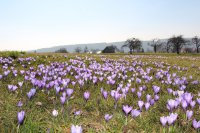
177,50
197,49
131,52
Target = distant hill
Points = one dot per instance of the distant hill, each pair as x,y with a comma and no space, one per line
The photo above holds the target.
92,46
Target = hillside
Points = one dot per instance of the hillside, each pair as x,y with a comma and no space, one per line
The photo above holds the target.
91,46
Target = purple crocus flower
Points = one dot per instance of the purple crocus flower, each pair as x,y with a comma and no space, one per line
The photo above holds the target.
152,101
138,80
184,104
20,84
77,113
163,120
188,97
133,90
73,83
147,105
62,99
14,88
33,91
169,90
148,97
171,104
86,95
57,89
156,97
29,94
198,101
172,118
135,113
127,109
76,129
69,92
105,94
20,117
10,87
117,95
139,94
192,103
140,104
189,114
156,89
107,117
196,124
20,104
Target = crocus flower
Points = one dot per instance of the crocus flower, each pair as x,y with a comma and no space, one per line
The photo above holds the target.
152,101
171,104
86,95
147,105
156,89
105,94
57,89
140,104
163,120
184,104
135,113
69,92
196,124
55,113
107,117
127,109
169,90
192,103
138,80
198,101
189,114
14,88
139,94
77,113
148,97
62,99
19,104
156,97
117,95
10,87
76,129
188,97
31,93
133,90
20,117
172,118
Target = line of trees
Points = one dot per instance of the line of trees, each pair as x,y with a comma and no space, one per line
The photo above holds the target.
173,44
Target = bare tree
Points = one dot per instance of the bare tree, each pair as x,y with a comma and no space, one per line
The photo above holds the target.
168,46
196,42
177,43
156,44
61,50
133,44
78,50
86,49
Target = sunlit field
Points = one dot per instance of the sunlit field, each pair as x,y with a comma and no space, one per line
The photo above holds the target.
99,93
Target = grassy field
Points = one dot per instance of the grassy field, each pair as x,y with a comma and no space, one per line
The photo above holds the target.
53,74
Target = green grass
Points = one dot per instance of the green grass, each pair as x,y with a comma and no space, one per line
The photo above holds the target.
39,118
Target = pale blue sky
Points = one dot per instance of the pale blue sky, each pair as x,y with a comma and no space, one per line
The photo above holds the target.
32,24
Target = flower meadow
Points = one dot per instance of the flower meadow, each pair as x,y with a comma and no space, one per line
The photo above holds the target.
100,93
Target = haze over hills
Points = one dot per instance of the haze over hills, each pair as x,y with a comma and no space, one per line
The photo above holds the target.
91,46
